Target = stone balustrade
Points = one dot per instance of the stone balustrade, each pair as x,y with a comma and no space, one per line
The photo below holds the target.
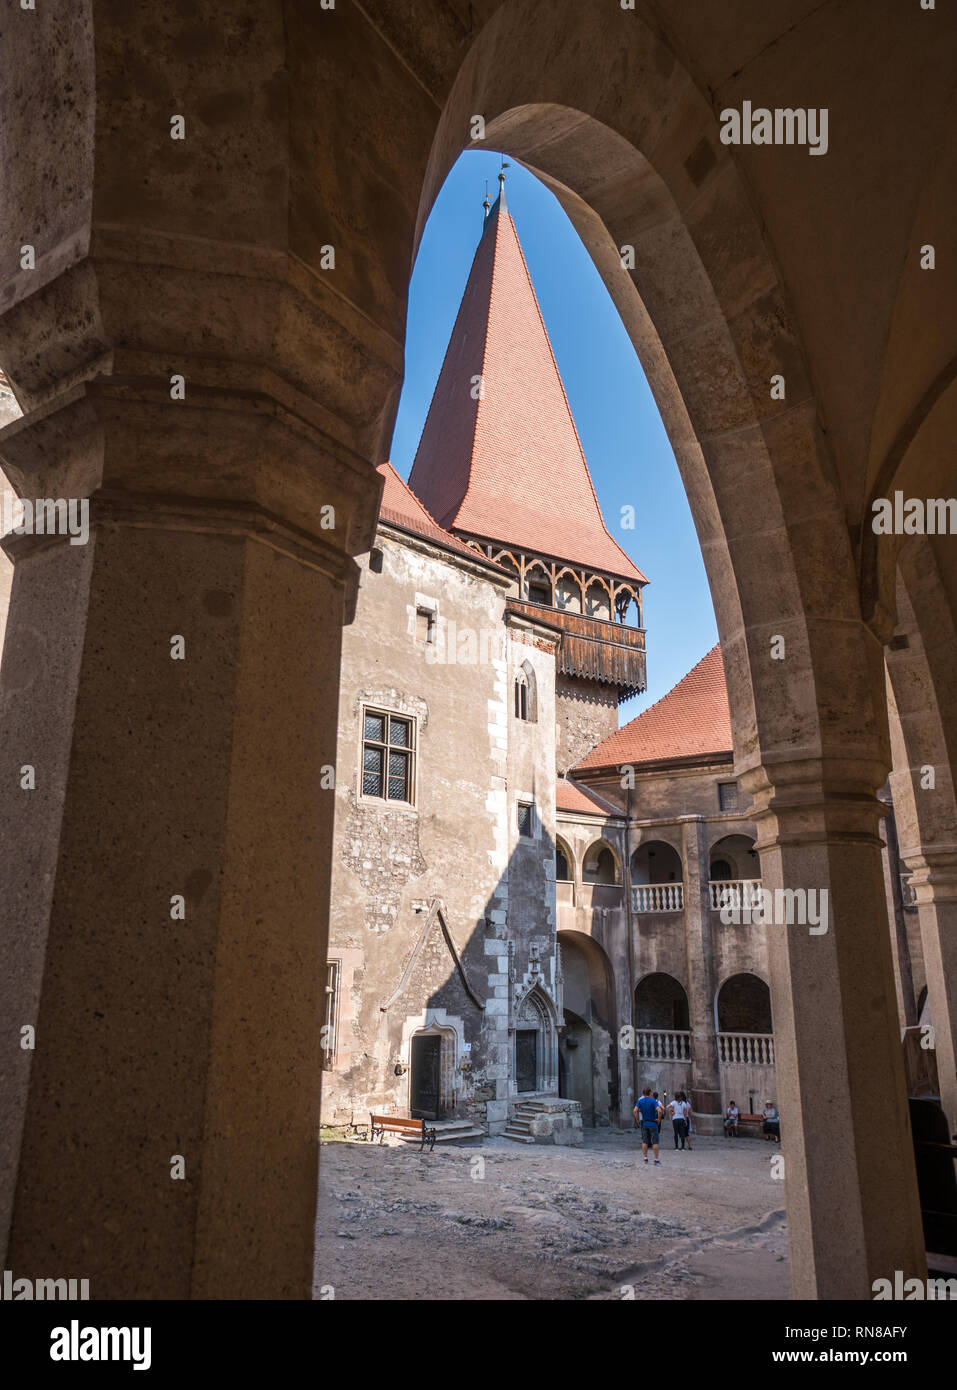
657,897
735,893
752,1049
668,1045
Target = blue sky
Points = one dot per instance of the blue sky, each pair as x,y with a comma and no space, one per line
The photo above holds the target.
624,440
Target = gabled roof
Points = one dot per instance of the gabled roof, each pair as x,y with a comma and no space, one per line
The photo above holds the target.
692,720
400,507
509,466
569,796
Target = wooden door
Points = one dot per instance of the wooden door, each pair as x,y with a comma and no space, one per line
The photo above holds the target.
426,1077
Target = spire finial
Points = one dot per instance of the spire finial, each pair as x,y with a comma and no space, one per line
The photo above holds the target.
486,205
501,181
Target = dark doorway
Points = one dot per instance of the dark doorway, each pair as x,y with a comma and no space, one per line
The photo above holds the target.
426,1074
526,1059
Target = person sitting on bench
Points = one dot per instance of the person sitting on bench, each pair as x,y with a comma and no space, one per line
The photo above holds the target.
731,1122
772,1124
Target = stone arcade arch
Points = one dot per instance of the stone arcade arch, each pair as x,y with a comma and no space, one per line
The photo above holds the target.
734,857
662,1034
656,861
588,1047
564,862
661,1002
742,1012
600,864
208,519
920,670
743,1005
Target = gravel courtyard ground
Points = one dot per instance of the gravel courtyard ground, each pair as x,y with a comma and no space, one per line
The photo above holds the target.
510,1221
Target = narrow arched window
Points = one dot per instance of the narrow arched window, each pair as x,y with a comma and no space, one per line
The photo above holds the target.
521,696
526,700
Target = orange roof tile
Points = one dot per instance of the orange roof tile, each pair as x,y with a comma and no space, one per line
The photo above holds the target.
569,796
400,507
509,466
692,720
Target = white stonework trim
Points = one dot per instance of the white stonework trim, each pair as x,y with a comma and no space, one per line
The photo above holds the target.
451,1029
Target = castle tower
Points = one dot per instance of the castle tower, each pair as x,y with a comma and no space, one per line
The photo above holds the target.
500,464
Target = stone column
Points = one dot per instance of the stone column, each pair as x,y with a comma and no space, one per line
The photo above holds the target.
853,1213
705,1075
933,872
202,316
169,696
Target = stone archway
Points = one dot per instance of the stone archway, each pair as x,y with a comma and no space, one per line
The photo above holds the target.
588,1044
534,1068
803,667
920,667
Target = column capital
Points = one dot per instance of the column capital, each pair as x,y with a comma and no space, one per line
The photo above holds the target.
221,459
816,801
933,871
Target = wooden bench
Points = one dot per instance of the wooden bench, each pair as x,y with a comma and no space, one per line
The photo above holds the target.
755,1125
400,1124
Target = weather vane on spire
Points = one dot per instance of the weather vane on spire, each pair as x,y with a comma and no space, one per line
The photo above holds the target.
501,180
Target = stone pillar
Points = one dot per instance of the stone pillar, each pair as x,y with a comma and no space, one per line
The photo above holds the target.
934,880
705,1075
206,338
163,920
853,1213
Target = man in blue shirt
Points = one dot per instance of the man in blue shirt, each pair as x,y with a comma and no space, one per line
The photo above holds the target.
648,1114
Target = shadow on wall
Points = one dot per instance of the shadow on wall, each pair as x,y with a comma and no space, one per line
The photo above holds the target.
503,1014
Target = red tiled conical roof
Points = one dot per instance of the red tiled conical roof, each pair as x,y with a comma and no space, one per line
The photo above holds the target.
509,466
692,720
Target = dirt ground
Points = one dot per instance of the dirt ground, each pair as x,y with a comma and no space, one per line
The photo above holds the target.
510,1221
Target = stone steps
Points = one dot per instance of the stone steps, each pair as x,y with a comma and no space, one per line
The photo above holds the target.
519,1136
544,1121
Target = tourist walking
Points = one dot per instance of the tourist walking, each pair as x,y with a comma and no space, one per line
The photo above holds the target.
680,1117
731,1122
648,1112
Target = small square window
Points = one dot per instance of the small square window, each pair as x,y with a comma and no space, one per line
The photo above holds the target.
525,819
728,796
424,626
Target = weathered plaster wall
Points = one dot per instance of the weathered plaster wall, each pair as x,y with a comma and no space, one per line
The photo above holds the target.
586,712
531,872
392,861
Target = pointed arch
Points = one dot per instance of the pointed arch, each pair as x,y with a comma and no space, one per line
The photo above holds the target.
526,693
601,863
598,599
538,580
569,591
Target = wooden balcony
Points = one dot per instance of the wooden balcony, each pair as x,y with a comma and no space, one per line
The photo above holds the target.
593,648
